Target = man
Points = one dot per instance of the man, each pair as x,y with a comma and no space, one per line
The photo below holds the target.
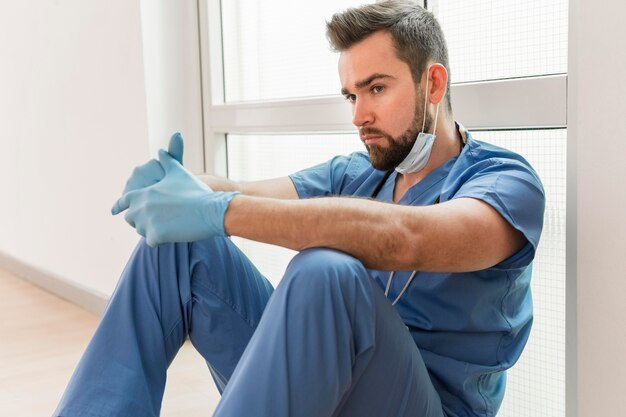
340,336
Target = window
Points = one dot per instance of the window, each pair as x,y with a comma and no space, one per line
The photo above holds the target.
499,39
536,384
273,90
277,49
254,157
508,63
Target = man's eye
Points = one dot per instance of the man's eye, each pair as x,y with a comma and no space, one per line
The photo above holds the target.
377,89
350,97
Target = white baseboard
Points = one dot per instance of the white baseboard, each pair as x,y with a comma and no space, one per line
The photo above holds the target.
88,299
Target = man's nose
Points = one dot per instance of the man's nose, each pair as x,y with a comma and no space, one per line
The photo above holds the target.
362,114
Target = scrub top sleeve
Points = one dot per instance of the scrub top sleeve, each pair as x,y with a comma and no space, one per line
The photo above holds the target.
515,191
326,179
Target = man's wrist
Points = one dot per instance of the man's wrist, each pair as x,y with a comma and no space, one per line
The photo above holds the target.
217,209
216,183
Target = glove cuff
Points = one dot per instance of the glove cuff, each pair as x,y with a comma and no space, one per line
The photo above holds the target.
216,210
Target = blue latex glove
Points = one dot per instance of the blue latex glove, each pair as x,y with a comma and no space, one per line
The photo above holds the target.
178,208
152,172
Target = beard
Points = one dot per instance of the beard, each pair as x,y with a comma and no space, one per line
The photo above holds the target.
388,157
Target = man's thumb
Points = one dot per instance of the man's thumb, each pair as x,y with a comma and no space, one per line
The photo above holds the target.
167,161
176,147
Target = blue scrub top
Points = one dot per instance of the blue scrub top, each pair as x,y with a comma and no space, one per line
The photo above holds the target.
469,327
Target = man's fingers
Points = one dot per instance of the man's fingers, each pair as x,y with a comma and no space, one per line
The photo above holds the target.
130,219
140,228
119,206
122,203
152,242
167,161
144,176
176,147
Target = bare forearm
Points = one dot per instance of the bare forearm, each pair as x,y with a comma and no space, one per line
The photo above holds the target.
456,236
364,229
281,187
219,183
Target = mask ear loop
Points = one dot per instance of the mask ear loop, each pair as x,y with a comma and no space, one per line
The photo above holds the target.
425,99
408,282
436,115
426,104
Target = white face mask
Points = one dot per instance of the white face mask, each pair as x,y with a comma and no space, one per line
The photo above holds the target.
419,155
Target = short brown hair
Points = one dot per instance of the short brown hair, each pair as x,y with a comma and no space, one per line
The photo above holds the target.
416,34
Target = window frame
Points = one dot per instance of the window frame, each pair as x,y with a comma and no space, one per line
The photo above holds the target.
518,103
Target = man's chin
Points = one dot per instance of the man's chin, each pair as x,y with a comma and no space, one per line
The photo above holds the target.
383,159
378,160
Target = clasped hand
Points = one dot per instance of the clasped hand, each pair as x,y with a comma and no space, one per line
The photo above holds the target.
166,203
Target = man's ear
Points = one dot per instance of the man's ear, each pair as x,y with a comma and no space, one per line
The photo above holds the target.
438,83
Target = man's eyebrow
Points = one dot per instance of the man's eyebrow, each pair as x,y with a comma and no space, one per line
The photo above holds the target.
367,81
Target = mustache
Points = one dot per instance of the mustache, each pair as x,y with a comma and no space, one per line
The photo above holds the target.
373,131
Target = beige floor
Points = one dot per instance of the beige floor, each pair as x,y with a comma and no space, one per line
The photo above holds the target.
41,340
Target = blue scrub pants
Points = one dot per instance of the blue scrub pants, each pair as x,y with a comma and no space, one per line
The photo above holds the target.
325,343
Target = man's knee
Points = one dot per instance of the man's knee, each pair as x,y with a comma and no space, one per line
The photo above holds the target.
213,252
159,273
324,262
320,273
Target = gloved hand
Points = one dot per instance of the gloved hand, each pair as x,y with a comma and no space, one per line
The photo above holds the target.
152,172
178,208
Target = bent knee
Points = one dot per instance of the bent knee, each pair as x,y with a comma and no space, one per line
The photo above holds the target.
319,268
325,262
325,281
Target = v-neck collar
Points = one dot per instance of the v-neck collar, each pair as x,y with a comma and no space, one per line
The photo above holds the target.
428,189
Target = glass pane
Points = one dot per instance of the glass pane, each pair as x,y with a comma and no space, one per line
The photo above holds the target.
278,49
495,39
257,157
536,384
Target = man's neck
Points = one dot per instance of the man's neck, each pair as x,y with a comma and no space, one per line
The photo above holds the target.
447,145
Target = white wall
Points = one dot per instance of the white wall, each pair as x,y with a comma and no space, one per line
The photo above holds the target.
597,171
171,51
72,126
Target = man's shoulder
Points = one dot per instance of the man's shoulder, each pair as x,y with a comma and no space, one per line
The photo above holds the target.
479,150
480,155
484,163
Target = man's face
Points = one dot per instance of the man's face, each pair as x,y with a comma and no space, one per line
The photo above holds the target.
386,107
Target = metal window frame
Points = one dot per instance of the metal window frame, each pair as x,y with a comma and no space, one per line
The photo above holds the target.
513,103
